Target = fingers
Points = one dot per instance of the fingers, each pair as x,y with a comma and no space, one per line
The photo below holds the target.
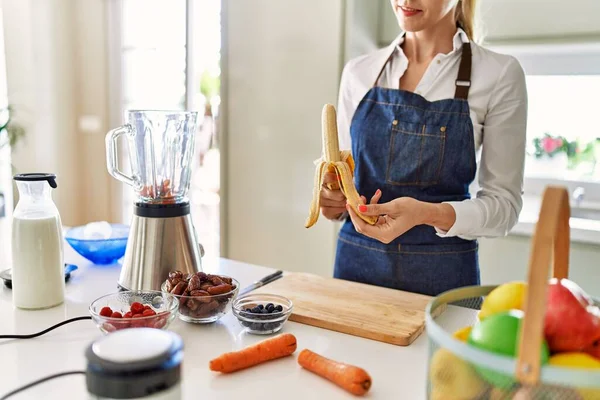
376,209
330,177
330,189
332,212
333,203
333,195
376,197
358,223
380,231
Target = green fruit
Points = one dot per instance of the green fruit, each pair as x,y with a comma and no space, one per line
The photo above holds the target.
499,333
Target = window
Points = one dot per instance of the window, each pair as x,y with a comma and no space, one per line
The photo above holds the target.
165,54
563,137
563,134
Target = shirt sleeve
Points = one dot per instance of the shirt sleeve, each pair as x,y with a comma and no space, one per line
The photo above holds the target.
344,110
495,209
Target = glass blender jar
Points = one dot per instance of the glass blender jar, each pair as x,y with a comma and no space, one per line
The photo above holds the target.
162,237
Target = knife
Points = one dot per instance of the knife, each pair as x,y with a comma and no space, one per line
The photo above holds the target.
267,279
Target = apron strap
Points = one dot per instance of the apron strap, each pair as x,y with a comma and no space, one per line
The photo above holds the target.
463,81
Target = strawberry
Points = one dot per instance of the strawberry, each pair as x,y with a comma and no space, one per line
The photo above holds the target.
106,312
148,313
137,308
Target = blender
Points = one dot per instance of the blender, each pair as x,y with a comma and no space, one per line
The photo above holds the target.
162,237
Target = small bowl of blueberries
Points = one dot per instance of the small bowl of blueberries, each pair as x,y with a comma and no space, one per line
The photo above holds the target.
262,314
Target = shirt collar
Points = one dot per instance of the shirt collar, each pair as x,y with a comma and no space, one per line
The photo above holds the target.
460,37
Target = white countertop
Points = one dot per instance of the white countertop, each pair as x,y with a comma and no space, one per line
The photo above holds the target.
397,372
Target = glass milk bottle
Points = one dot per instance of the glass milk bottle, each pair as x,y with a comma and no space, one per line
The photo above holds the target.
37,245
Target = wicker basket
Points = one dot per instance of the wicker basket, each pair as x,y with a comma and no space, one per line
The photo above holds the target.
456,369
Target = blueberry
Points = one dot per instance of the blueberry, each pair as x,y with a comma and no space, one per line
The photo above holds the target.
279,308
248,310
260,306
264,311
256,310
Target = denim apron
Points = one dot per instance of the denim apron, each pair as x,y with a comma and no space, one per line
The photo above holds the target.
408,146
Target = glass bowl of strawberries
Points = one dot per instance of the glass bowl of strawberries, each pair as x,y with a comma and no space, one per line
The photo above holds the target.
134,309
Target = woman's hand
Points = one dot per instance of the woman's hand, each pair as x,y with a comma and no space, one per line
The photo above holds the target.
399,216
333,201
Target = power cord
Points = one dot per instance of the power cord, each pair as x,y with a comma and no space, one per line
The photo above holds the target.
33,335
42,380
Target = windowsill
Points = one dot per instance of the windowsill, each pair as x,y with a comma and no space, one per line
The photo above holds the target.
582,230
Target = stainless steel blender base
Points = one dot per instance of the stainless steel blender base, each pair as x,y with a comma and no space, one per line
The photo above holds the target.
157,246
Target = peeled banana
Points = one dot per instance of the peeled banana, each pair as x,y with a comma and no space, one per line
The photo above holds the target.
334,160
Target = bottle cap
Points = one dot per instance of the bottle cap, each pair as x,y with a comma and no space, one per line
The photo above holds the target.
31,177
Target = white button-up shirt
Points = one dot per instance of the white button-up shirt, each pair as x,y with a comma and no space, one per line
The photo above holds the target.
498,108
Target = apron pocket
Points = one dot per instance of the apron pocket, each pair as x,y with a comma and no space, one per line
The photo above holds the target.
416,154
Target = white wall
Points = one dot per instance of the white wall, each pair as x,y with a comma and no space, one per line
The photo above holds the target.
283,64
506,259
361,27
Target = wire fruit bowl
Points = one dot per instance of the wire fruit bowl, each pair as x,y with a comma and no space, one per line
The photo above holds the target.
458,370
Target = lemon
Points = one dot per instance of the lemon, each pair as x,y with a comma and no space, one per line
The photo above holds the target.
574,360
463,333
579,361
453,378
509,296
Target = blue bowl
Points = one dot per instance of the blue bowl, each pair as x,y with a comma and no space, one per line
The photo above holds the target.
99,249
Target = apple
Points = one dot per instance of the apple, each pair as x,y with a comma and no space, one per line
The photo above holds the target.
572,321
499,333
594,350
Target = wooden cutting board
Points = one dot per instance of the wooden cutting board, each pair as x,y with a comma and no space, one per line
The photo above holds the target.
385,315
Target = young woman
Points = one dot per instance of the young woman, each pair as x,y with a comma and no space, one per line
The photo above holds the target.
415,114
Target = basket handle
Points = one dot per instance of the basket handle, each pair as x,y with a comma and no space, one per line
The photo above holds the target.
550,241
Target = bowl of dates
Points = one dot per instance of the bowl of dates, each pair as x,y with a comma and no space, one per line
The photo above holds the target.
262,314
203,298
134,309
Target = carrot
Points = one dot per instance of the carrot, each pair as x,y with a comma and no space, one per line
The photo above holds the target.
270,349
353,379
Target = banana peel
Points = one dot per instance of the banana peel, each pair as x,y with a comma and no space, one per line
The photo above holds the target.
334,160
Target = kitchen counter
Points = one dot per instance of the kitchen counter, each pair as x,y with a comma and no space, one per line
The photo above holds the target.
397,372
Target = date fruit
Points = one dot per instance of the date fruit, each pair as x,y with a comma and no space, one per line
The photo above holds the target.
195,293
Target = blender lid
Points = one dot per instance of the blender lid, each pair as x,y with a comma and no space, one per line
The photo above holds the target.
35,176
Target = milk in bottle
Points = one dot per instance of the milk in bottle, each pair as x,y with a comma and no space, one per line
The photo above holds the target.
37,244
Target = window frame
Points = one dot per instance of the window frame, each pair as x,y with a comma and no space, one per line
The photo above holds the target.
581,57
115,82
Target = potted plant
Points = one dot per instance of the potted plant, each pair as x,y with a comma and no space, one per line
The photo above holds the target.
10,133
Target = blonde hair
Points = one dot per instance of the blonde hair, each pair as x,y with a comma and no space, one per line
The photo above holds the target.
466,18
